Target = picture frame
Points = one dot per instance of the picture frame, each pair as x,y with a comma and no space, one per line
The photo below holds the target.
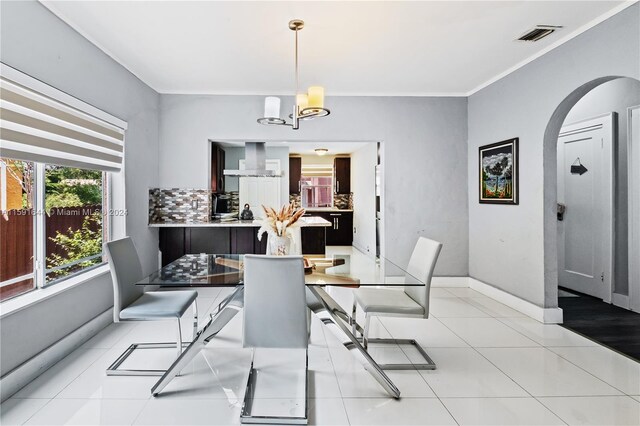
499,172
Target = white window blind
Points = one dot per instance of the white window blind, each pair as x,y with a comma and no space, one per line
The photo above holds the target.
317,170
35,126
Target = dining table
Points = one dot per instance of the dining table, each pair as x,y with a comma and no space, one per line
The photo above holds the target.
226,270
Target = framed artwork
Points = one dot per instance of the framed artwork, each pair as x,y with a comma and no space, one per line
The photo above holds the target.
499,172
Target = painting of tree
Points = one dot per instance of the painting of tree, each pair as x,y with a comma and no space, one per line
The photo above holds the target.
498,172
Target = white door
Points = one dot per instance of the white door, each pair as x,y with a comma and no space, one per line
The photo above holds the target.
585,240
257,191
634,207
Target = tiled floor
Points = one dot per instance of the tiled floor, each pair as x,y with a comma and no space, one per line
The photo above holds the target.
495,366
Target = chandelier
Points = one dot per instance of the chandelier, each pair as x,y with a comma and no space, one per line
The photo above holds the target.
308,105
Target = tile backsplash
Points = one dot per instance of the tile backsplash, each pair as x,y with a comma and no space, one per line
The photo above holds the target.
343,201
340,201
179,205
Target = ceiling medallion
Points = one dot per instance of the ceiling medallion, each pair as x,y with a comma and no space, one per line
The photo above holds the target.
308,105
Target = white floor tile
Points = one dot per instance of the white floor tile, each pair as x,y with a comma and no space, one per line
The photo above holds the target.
405,411
454,307
619,371
109,336
87,412
493,308
636,397
56,378
164,411
600,410
356,382
427,332
440,292
463,372
547,334
17,411
500,411
94,383
465,292
327,412
486,332
544,373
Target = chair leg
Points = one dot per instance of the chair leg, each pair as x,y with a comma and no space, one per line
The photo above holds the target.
195,320
179,338
365,335
352,320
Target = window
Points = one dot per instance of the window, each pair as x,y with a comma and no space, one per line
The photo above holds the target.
17,228
74,200
53,213
316,191
59,154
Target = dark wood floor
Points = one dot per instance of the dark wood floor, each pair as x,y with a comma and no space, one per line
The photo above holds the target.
607,324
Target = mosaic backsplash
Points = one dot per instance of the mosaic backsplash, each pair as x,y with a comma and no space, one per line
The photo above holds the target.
340,201
343,201
179,205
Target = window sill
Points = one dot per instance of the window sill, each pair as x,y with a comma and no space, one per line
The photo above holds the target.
26,300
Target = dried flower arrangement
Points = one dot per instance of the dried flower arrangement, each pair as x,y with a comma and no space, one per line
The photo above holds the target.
280,223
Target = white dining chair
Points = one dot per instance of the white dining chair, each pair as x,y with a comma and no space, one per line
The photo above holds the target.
275,316
131,303
412,302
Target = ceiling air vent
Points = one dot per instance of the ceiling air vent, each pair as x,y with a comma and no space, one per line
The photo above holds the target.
539,32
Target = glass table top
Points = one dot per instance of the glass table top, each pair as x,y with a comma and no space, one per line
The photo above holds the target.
226,270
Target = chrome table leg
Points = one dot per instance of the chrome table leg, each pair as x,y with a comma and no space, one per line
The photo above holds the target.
229,307
331,313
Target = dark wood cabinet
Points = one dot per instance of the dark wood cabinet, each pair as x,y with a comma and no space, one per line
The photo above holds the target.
175,242
207,240
295,175
171,244
217,168
313,239
342,175
340,233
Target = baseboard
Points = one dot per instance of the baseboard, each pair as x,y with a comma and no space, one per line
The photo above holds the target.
450,282
544,315
22,375
621,300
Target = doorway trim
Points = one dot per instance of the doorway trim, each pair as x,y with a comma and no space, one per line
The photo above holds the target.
633,188
606,122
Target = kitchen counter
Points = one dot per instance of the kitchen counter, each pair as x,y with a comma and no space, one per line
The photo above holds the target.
307,221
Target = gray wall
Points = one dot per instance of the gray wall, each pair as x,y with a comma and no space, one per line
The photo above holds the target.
36,42
424,156
514,247
616,95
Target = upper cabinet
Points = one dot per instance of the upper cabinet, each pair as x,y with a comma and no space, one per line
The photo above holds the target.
295,175
342,174
217,168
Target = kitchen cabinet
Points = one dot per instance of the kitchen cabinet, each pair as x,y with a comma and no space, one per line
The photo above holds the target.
313,240
342,175
207,240
175,242
295,175
340,233
217,168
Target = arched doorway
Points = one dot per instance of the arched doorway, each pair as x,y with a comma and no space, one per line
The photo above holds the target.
581,96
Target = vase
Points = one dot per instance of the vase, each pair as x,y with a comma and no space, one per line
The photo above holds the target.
279,246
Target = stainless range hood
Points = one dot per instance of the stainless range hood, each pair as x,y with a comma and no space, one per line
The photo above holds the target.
255,162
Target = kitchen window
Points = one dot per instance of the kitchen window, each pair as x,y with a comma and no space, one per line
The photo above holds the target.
317,191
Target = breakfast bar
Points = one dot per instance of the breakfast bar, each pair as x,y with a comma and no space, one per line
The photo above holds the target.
234,237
